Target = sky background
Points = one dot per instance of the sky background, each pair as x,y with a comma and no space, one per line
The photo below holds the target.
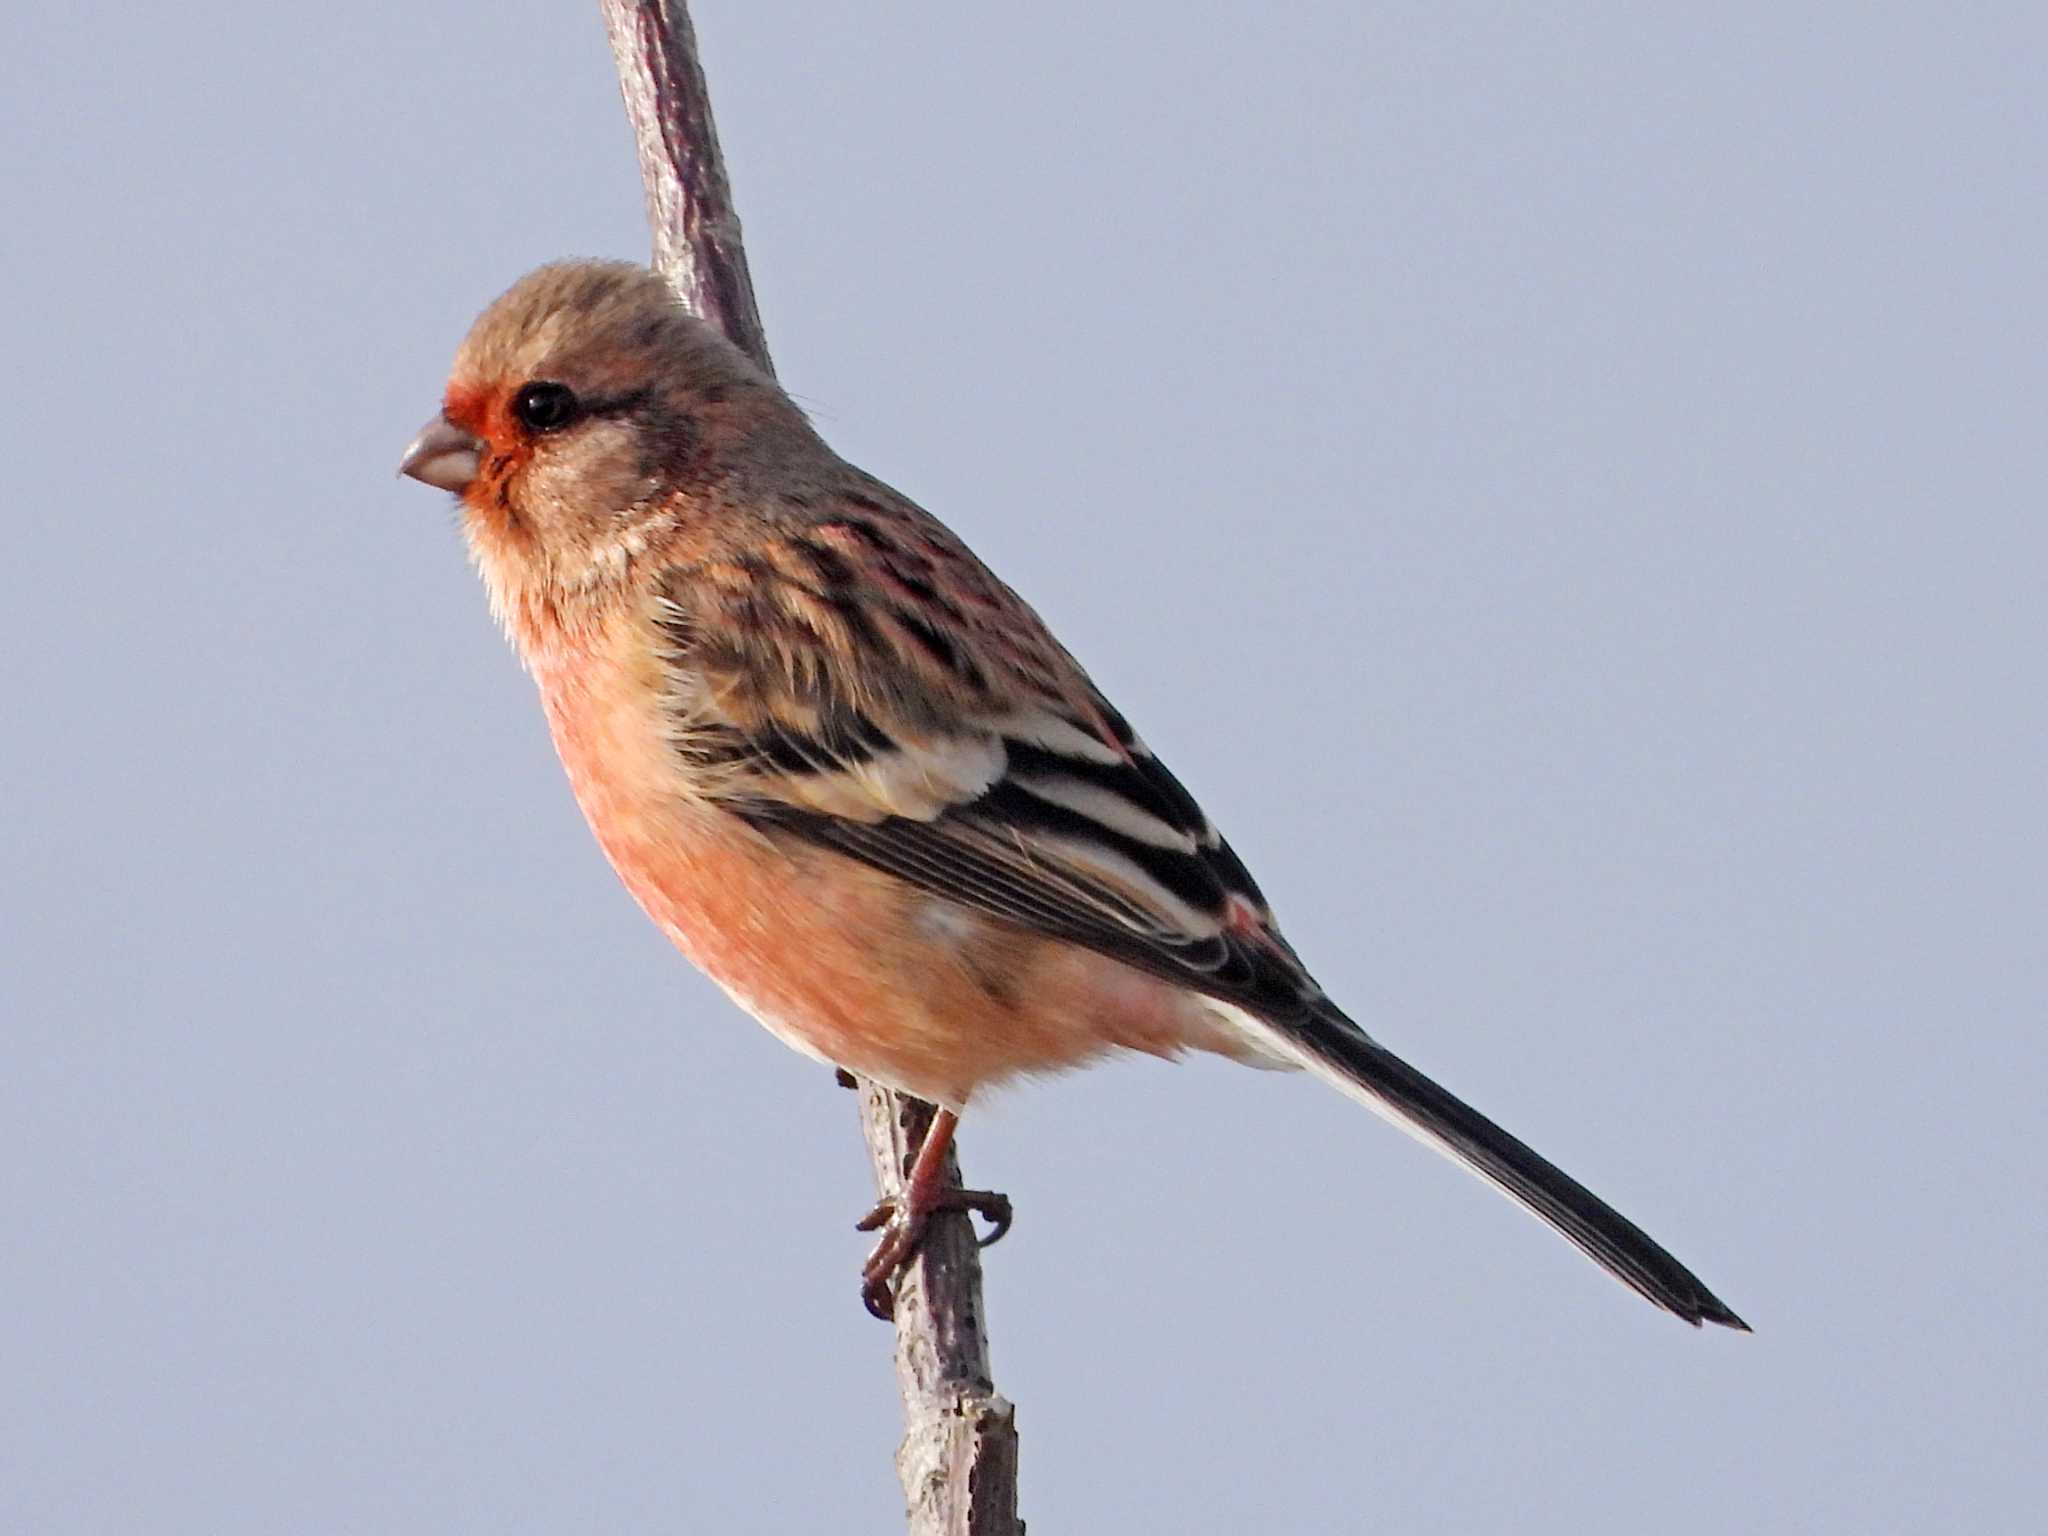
1564,484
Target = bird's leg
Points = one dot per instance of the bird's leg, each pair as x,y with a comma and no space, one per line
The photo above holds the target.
902,1218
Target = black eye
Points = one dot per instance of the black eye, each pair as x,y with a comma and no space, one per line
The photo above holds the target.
546,407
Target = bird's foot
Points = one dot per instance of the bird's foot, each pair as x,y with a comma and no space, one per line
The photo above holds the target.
902,1223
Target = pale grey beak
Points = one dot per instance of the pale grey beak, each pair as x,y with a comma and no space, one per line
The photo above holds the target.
443,456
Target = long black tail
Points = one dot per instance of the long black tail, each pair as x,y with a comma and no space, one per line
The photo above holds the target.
1337,1049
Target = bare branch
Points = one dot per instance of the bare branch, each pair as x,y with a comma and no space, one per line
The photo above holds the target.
958,1460
689,203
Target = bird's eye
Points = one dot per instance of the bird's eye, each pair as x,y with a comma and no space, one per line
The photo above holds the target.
546,407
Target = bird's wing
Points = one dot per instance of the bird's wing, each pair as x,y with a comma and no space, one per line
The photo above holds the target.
863,684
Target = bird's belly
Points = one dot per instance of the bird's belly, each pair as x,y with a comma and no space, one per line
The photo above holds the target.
851,967
841,961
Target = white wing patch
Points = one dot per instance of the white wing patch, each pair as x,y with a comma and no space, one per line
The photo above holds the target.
918,780
1105,807
1041,728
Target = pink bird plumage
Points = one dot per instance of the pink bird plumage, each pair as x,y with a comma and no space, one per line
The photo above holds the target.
852,775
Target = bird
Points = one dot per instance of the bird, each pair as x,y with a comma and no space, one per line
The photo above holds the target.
853,777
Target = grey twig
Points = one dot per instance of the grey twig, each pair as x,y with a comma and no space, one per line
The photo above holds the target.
689,203
958,1460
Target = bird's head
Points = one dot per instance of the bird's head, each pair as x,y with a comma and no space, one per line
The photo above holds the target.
588,415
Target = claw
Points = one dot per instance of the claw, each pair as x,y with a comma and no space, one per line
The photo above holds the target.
880,1301
902,1219
995,1209
903,1230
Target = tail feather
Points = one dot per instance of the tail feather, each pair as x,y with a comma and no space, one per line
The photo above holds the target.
1336,1049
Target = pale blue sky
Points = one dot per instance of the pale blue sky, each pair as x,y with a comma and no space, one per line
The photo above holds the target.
1563,484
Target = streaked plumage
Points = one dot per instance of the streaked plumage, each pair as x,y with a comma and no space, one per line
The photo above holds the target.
849,771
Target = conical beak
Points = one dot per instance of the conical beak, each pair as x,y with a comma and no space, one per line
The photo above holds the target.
443,456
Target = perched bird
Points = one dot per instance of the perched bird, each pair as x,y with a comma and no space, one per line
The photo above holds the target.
853,777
